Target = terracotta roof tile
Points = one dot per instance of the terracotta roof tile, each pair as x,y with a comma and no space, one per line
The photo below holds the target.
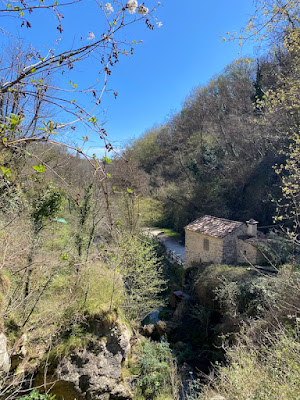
213,226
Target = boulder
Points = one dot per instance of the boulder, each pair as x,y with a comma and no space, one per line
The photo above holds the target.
120,392
148,330
4,356
161,328
96,370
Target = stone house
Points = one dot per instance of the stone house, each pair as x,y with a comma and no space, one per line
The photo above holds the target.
222,241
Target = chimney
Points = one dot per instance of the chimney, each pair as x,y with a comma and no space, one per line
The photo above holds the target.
252,227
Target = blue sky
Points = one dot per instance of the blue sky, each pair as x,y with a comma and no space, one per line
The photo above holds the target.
153,83
185,52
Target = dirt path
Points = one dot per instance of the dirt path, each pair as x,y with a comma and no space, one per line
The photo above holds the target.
169,243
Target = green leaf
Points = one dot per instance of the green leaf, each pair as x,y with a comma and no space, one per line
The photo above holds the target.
6,172
129,190
39,168
93,120
107,160
64,256
33,70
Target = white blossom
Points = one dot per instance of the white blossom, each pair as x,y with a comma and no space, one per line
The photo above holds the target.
109,7
159,24
143,10
132,6
91,36
106,37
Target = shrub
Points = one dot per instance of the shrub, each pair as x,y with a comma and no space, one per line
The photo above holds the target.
271,371
209,279
136,263
35,395
156,366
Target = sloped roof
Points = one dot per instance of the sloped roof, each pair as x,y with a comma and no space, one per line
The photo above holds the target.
213,226
258,238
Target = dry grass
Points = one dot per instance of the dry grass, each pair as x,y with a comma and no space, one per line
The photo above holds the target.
61,291
269,372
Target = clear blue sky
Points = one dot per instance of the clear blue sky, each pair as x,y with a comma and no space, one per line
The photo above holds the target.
153,83
185,52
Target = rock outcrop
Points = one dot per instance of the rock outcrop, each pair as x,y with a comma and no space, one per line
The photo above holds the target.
4,356
96,370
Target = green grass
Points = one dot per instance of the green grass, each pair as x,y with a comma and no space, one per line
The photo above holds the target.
58,237
169,232
76,340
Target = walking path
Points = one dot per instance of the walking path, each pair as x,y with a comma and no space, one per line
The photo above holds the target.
176,250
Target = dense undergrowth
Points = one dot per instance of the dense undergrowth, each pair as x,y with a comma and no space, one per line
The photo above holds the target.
61,266
71,248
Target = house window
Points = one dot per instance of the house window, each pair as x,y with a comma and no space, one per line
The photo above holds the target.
206,244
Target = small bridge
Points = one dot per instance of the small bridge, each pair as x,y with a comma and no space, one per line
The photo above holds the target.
175,252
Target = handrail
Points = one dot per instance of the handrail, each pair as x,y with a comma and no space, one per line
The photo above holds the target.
170,254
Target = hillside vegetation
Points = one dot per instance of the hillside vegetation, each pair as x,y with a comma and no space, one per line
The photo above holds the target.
78,276
217,154
233,151
63,265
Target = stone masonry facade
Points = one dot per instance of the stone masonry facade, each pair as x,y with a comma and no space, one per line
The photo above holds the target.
230,245
248,253
195,252
211,240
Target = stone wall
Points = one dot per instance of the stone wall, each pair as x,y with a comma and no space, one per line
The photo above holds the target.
195,252
229,250
247,253
4,356
230,245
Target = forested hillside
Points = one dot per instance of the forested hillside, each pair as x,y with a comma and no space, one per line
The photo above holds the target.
91,306
217,155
